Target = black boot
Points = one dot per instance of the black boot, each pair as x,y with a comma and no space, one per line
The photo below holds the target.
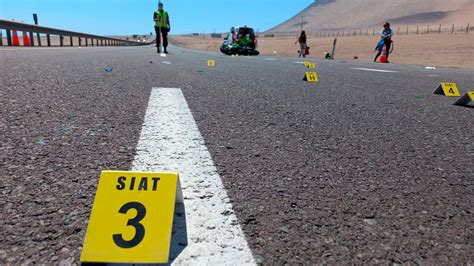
158,49
166,51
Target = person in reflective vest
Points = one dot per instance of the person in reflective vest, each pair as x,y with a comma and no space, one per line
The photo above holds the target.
162,27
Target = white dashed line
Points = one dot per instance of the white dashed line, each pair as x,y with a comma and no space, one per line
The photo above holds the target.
375,70
270,59
170,141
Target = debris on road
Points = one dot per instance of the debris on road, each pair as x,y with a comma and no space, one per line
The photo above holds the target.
108,69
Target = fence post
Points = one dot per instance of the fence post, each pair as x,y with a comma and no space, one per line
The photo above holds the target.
467,28
417,29
61,42
80,41
48,39
407,30
452,29
398,31
428,30
71,42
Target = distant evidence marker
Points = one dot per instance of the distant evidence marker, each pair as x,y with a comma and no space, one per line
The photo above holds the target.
467,100
211,63
311,77
447,89
132,218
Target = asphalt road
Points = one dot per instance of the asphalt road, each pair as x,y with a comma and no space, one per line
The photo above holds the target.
361,167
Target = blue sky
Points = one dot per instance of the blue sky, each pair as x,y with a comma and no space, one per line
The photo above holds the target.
124,17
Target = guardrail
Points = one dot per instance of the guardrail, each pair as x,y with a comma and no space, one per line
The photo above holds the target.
30,29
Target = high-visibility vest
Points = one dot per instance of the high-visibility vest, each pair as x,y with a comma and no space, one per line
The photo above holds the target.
162,19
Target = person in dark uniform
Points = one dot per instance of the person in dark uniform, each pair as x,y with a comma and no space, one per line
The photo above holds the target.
162,27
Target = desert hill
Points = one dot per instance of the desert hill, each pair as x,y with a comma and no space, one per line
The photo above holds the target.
333,15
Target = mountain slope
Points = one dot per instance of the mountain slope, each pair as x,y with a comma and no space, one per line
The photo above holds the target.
355,14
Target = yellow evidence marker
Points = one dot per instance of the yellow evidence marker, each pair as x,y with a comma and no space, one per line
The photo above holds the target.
466,100
132,218
311,77
211,63
447,89
310,65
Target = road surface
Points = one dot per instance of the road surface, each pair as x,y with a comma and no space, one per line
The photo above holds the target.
364,166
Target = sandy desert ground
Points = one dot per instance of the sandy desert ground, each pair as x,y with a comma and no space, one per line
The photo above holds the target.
439,50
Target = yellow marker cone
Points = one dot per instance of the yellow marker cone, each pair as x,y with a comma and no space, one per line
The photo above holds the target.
311,77
447,89
467,100
132,218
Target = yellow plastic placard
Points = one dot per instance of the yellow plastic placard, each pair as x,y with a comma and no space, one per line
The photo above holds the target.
466,100
132,218
310,65
311,77
447,89
211,63
306,63
470,94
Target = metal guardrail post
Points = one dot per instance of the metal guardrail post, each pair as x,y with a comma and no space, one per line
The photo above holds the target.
38,36
48,38
32,39
9,38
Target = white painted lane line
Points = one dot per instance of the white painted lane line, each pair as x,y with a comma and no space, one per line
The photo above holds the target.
270,59
375,70
166,62
297,62
170,141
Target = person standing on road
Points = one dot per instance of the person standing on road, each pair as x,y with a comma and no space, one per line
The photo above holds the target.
302,41
386,40
162,27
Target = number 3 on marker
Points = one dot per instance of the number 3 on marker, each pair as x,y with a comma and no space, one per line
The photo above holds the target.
135,222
